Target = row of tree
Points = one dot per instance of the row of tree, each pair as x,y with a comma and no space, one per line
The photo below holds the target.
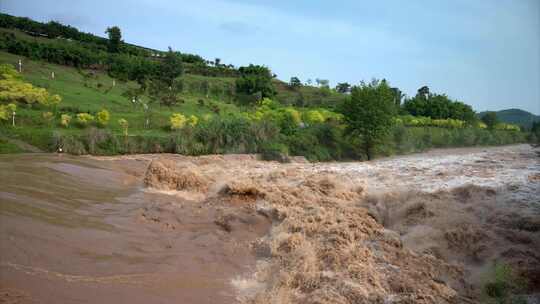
119,65
437,106
69,46
425,103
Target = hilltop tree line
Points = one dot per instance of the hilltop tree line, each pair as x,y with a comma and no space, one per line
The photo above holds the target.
63,44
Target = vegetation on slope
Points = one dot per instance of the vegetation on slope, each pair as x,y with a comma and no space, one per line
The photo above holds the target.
120,98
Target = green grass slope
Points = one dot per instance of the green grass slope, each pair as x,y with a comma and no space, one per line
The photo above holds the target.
92,91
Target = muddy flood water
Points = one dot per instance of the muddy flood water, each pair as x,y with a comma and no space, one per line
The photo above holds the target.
77,230
422,228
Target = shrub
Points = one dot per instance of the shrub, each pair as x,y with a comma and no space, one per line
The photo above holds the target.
11,107
4,115
53,100
47,116
506,126
306,142
178,121
192,120
84,119
275,151
69,144
124,124
503,284
6,111
313,117
65,119
14,89
103,117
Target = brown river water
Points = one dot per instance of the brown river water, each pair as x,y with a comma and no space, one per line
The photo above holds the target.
231,229
78,230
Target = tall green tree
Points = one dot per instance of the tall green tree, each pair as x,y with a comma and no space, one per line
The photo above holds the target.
295,82
398,95
490,119
423,92
115,38
170,68
255,80
368,113
343,87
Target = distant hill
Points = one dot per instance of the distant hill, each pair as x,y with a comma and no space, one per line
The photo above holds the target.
516,116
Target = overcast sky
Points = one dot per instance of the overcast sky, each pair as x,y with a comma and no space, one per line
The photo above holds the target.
483,52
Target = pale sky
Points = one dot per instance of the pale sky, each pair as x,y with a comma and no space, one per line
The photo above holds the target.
483,52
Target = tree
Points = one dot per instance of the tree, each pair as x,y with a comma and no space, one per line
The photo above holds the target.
115,39
322,82
368,113
217,62
325,83
295,82
490,119
163,93
343,87
397,96
255,79
300,100
170,68
437,106
535,133
423,92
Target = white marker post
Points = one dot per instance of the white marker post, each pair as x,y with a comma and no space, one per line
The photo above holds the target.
113,83
20,66
52,75
13,118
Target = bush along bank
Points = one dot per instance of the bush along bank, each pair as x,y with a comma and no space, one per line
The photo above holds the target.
317,142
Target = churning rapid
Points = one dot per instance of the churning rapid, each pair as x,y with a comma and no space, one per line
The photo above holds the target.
423,228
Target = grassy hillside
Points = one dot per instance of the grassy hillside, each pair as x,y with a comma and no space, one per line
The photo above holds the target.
304,95
91,91
516,116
